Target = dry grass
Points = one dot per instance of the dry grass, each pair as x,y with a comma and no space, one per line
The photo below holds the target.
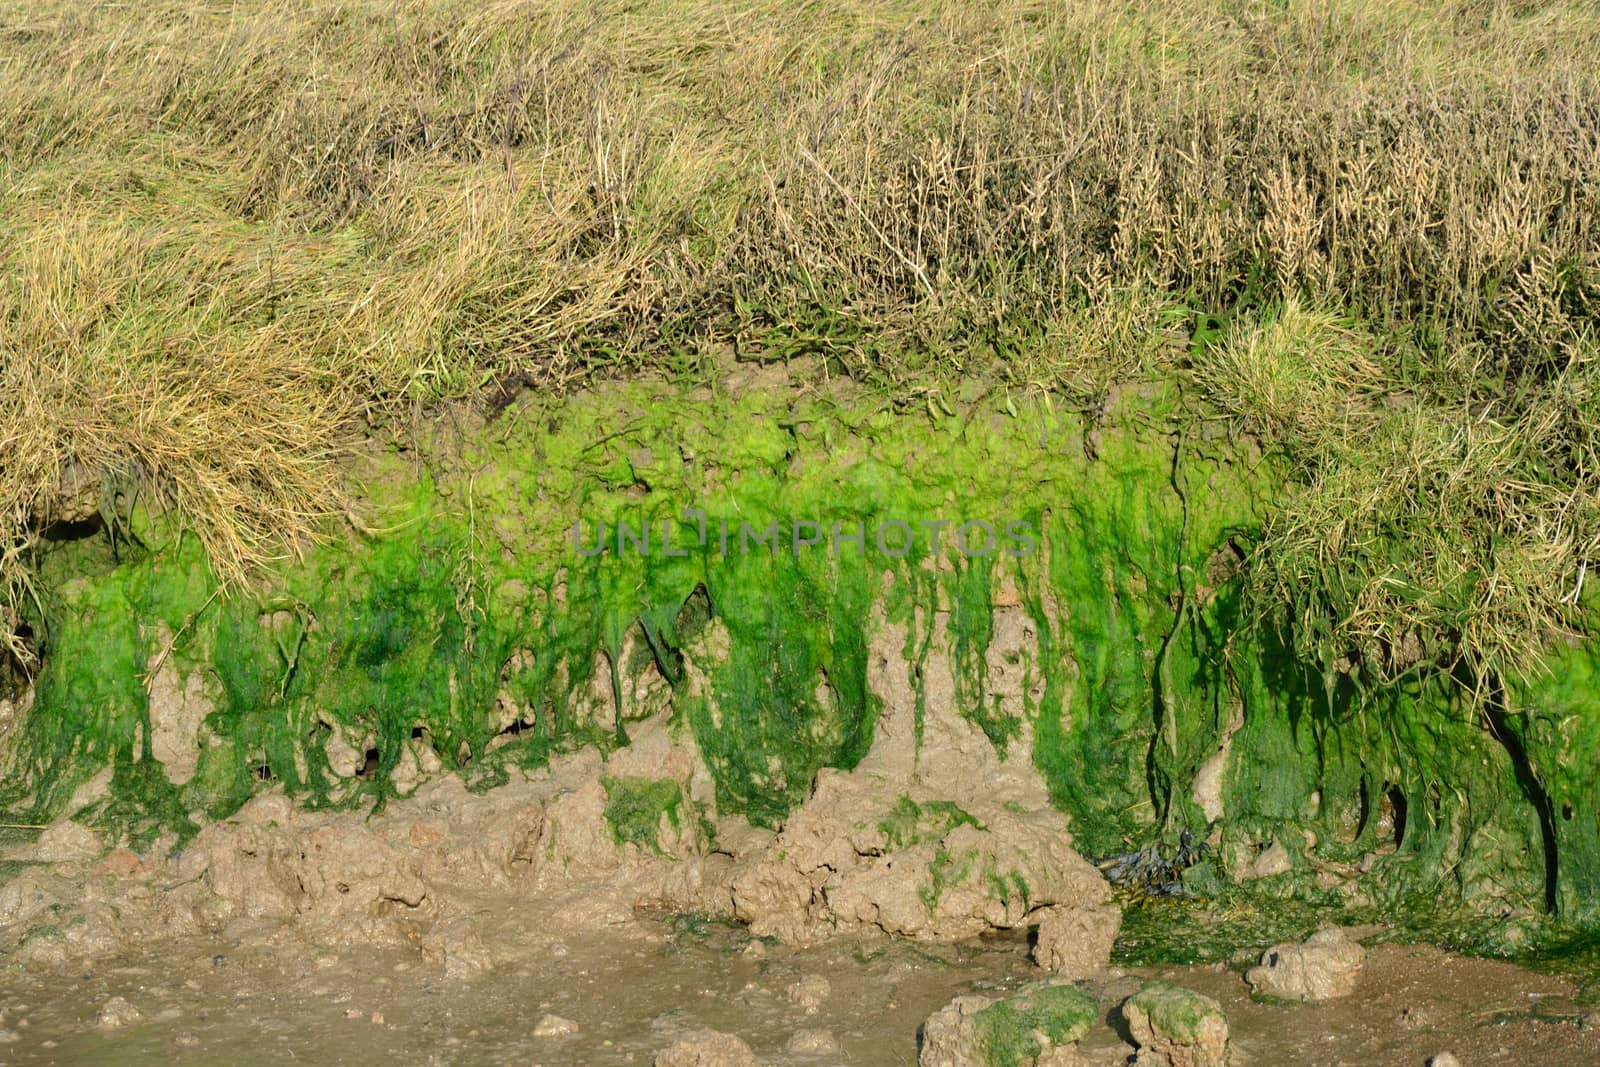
1431,533
232,230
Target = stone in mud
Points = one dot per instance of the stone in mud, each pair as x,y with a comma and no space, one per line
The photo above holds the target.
344,759
1076,942
1444,1059
121,863
555,1026
707,1048
455,946
813,1043
1037,1027
117,1013
809,993
1326,965
1273,860
1175,1027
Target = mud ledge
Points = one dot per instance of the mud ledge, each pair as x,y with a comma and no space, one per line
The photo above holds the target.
919,730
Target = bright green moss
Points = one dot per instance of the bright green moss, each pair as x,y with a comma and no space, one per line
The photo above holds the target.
1008,1032
1174,1012
635,806
472,624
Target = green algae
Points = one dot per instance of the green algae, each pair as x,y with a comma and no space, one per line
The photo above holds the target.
1241,922
481,623
948,868
1007,886
1175,1013
635,807
1008,1032
909,823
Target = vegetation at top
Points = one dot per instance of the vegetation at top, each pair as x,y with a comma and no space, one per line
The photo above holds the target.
235,237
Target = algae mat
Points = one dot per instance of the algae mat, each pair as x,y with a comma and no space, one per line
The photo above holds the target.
535,584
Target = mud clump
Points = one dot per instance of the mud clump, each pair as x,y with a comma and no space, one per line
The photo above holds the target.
1038,1027
809,993
1175,1027
1326,965
416,875
708,1048
1076,942
863,856
117,1013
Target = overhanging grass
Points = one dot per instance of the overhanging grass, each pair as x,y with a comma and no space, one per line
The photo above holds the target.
231,234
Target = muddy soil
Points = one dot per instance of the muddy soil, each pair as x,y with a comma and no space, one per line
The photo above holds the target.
633,989
533,923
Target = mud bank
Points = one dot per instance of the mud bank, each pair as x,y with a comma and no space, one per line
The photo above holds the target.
629,992
702,652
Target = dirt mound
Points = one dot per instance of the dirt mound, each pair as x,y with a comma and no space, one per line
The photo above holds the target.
418,873
940,833
863,856
1039,1026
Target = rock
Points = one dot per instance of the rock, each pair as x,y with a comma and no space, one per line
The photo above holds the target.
1176,1027
1274,859
179,705
1326,965
809,993
456,945
554,1026
1042,1022
186,1040
1075,942
1418,1017
813,1043
1208,783
1444,1059
117,1013
707,1048
344,759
